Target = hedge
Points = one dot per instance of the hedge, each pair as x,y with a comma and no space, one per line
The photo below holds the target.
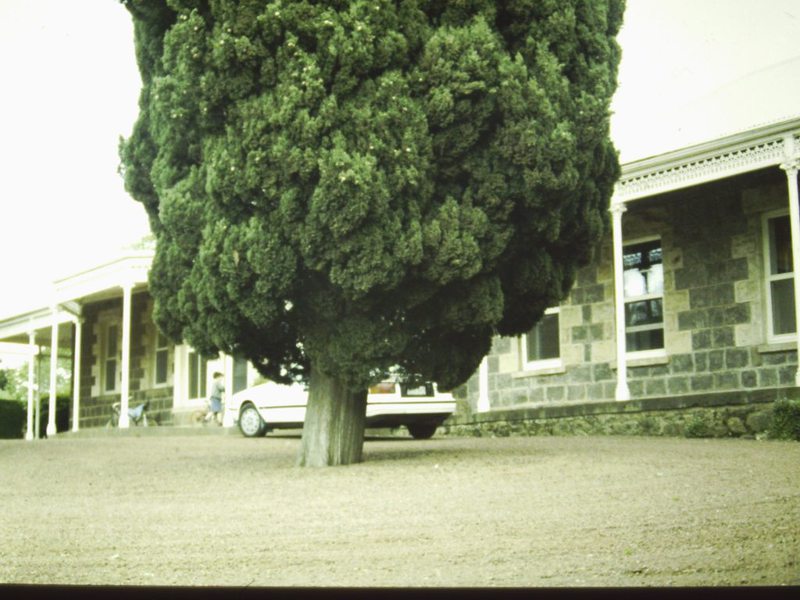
786,420
14,417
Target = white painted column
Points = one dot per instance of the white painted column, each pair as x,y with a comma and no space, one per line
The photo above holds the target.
179,390
124,419
791,164
483,385
76,377
51,416
227,418
622,392
31,383
37,398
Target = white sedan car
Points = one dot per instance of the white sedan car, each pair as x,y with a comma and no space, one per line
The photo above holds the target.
268,406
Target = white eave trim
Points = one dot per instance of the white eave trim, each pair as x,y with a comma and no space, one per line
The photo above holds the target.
723,157
126,270
130,270
33,321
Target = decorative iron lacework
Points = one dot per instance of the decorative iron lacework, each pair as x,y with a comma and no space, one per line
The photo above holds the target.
693,172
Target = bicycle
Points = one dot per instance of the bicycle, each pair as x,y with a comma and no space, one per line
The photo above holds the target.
137,415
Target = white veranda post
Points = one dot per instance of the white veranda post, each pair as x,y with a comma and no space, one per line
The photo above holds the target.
227,417
31,383
622,391
51,416
76,377
791,165
124,420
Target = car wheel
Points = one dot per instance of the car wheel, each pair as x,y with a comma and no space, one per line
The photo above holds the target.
422,431
250,422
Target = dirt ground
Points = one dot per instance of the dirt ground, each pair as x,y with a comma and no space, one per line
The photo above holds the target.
177,509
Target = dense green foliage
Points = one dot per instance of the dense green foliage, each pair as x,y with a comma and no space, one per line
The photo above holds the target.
361,184
63,413
12,419
785,420
12,382
699,426
14,416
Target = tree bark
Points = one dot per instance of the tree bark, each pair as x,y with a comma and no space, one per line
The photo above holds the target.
333,432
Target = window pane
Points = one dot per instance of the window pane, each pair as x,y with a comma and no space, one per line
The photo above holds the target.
632,258
644,276
654,254
161,366
111,347
643,272
203,369
645,312
543,339
783,317
655,279
239,374
642,256
646,281
193,391
111,375
635,283
651,339
780,242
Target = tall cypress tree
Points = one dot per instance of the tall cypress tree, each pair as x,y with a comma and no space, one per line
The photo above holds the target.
338,187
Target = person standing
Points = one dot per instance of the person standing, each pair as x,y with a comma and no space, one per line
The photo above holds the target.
215,399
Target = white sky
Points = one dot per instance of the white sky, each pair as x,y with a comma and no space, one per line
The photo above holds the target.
70,90
689,71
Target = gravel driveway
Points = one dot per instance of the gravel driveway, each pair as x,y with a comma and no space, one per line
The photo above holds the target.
217,509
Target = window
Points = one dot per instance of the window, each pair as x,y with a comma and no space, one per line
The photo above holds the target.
197,375
111,358
239,374
780,278
540,347
162,359
643,277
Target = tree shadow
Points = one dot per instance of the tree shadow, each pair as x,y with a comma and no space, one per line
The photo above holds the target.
435,450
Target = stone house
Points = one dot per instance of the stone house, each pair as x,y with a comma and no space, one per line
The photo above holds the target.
102,318
689,303
697,270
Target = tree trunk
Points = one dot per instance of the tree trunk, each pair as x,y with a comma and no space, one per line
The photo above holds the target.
333,432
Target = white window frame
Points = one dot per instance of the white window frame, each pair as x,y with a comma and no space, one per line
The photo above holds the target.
545,363
156,350
653,352
773,338
105,327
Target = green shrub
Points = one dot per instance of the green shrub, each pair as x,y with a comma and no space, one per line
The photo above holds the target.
698,427
648,426
12,419
63,407
785,420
